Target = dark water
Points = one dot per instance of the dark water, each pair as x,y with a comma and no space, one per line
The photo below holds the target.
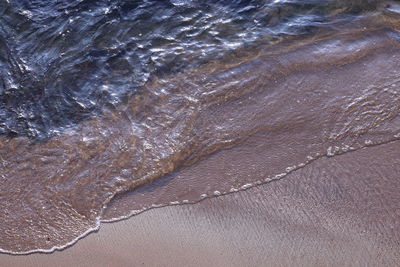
64,61
142,104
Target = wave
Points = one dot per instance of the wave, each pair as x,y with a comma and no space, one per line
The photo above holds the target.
251,115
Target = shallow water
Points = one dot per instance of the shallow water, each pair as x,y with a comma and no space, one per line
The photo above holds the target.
99,98
63,61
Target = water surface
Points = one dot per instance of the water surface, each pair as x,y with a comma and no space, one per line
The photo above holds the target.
109,108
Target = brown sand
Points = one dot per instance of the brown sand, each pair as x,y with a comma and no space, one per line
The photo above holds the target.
338,211
254,116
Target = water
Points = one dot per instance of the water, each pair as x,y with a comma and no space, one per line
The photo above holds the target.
64,61
109,108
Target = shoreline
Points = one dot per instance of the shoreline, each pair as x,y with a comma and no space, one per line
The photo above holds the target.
285,222
250,120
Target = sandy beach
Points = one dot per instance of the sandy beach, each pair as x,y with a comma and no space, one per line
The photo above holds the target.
336,210
275,146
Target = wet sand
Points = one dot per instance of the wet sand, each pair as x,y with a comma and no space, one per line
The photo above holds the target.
310,127
336,211
255,118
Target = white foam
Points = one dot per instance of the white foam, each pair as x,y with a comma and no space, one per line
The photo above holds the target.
217,193
245,186
368,142
59,247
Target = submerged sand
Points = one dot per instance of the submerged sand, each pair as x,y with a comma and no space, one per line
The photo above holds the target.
314,122
335,211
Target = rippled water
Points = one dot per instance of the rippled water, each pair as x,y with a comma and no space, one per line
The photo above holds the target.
100,98
63,61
